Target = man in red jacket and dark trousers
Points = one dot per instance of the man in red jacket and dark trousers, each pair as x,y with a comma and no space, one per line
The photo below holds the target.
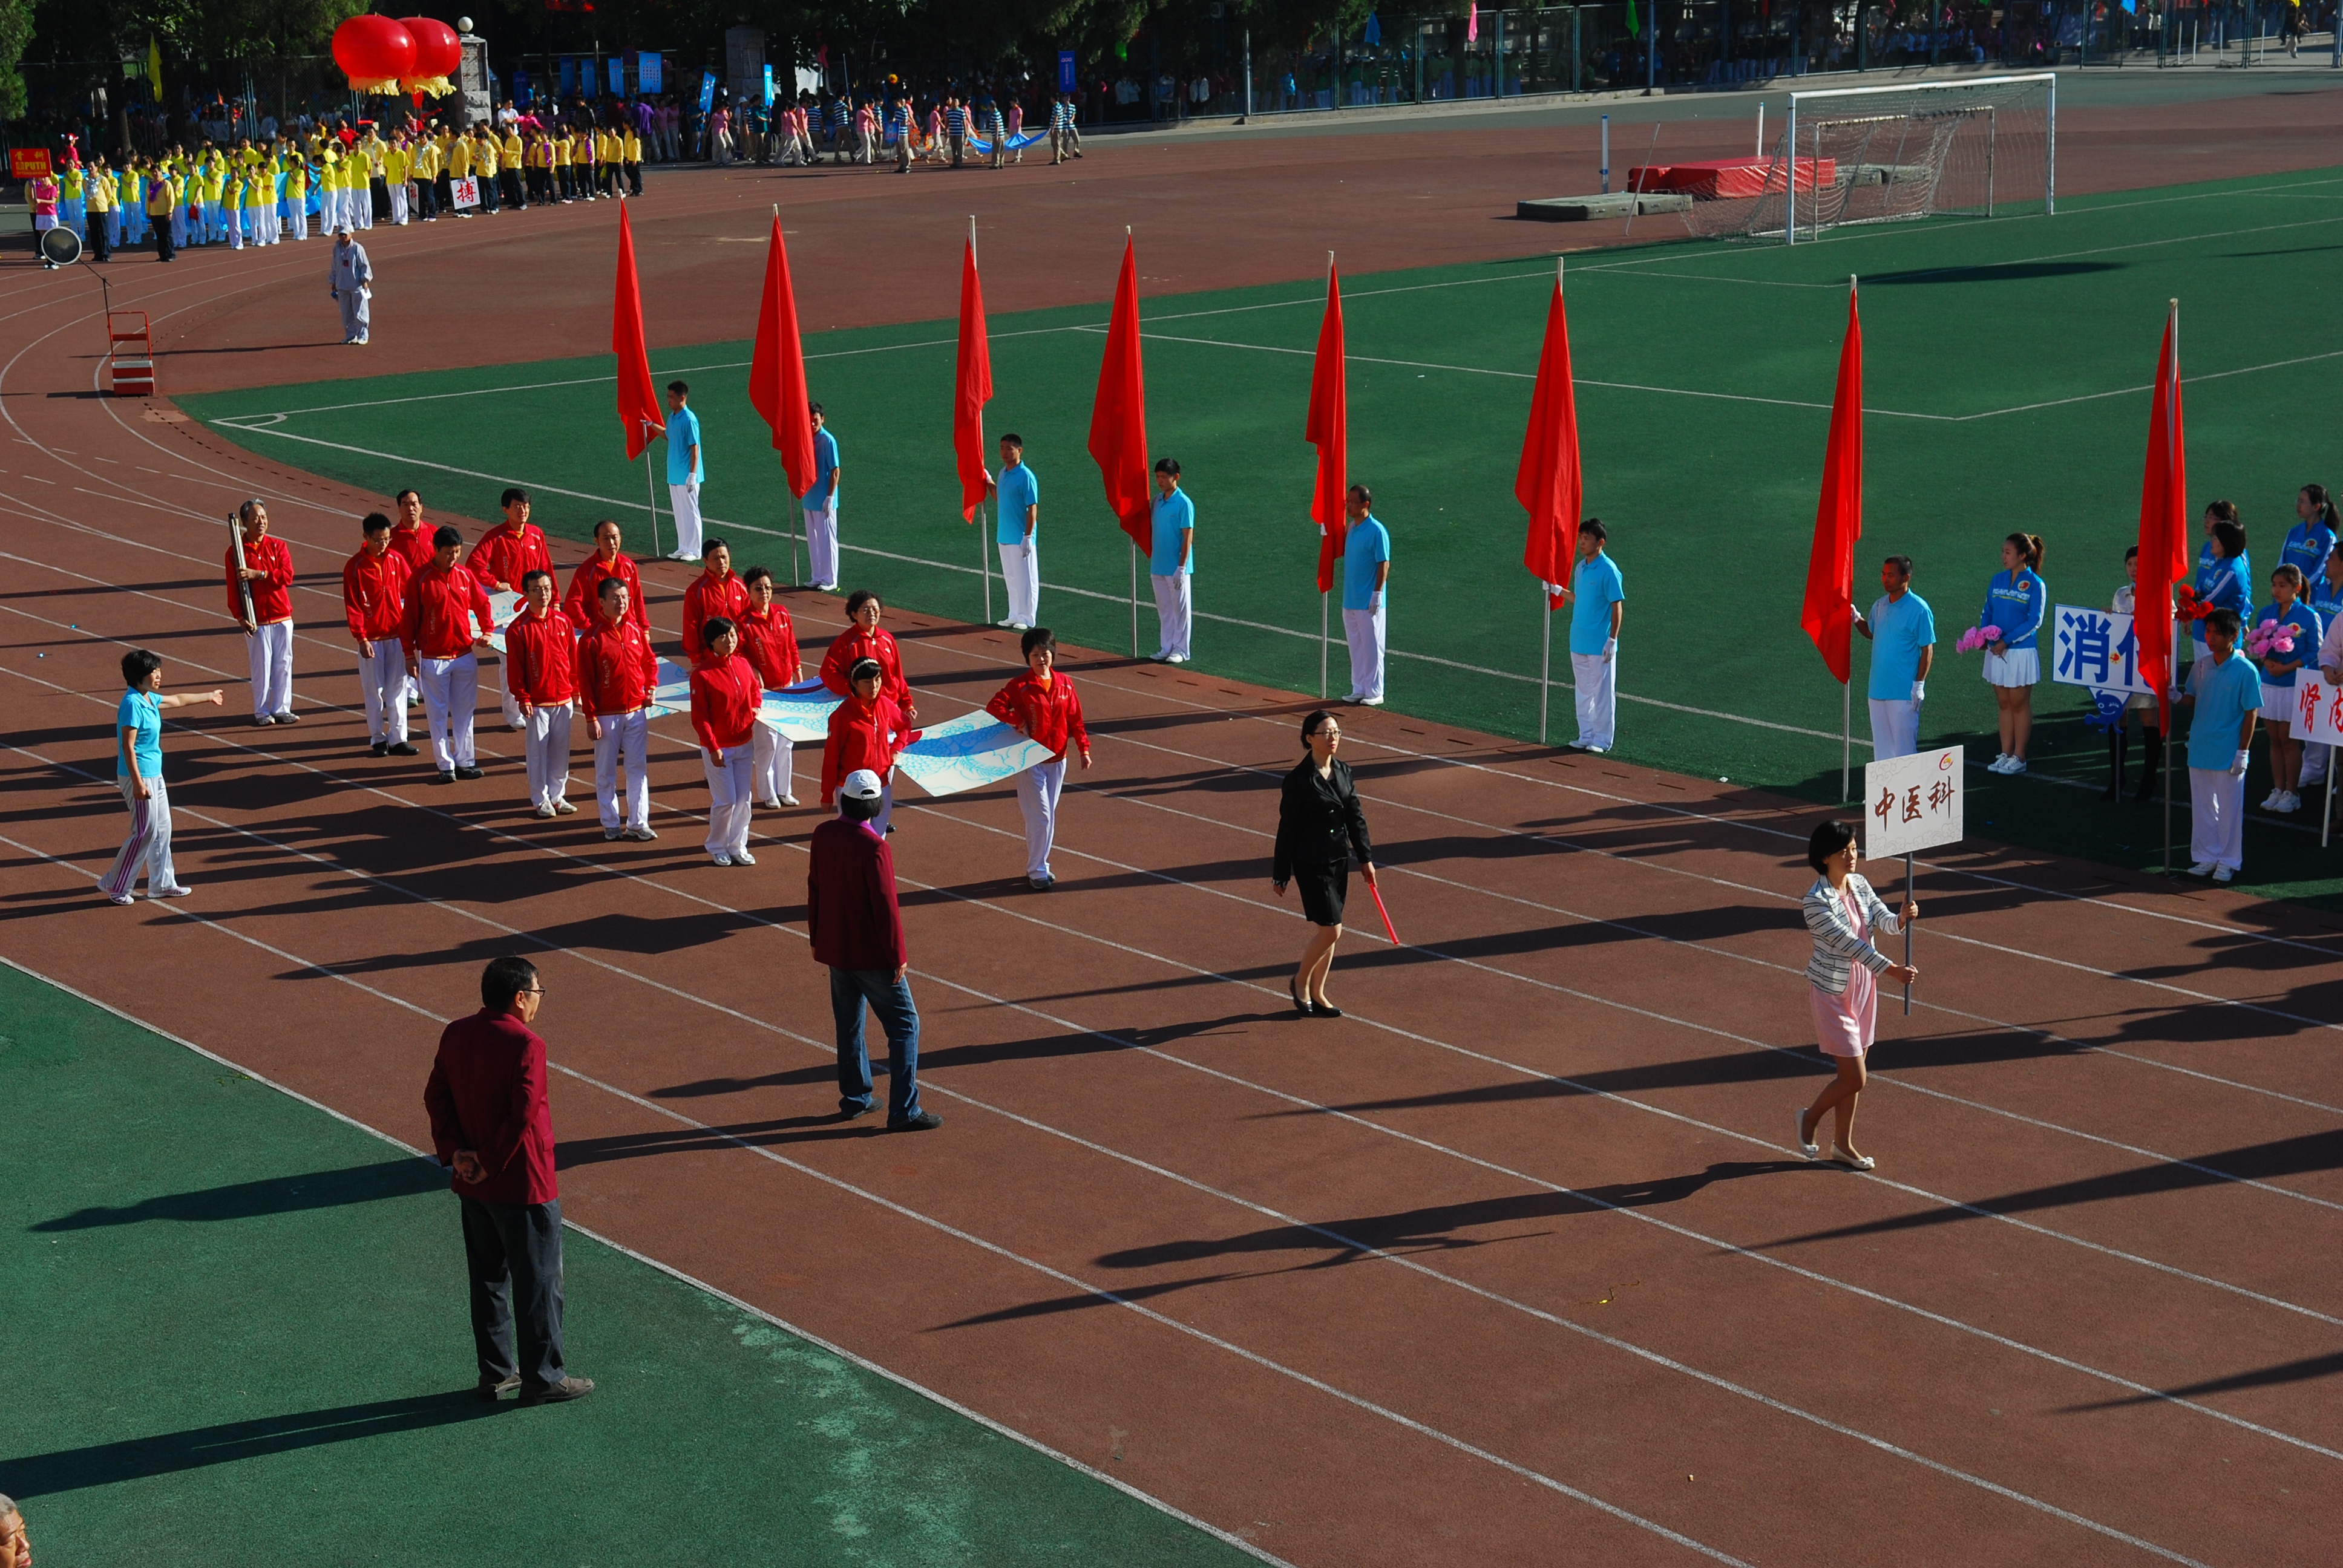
542,670
857,930
492,1124
260,600
374,601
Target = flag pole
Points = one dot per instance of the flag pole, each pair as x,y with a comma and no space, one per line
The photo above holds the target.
1907,932
983,555
1545,660
2172,637
796,512
651,478
1134,548
1846,687
1323,620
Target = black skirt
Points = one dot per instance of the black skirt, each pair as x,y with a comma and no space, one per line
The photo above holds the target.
1323,888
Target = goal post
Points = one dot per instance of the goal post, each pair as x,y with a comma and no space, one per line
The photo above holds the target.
1982,145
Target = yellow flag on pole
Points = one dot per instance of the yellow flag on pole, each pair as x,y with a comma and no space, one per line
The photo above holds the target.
154,66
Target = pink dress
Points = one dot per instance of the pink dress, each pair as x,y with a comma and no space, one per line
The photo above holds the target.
1845,1024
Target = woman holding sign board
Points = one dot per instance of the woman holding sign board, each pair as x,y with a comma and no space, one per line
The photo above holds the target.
1844,915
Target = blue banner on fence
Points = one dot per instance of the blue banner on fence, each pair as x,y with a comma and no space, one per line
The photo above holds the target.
617,78
1066,80
569,76
769,86
647,72
707,91
521,85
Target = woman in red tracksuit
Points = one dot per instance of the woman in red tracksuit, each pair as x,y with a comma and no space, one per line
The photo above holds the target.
770,643
865,730
860,641
1041,705
725,697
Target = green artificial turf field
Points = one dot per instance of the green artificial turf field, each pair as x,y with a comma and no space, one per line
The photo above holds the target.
2006,361
236,1327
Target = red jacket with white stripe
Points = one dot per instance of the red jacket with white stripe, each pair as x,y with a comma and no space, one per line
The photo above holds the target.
1052,715
272,593
503,554
374,594
725,697
441,606
617,672
541,658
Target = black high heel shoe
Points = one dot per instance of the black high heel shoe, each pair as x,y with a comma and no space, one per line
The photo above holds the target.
1304,1008
1324,1009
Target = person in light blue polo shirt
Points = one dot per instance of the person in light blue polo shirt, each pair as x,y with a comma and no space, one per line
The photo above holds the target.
2228,693
821,508
138,770
1902,630
1171,561
1020,521
1598,607
684,472
1366,568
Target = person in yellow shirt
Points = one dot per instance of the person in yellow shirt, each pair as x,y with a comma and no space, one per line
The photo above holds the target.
130,201
102,215
557,145
70,186
581,162
163,214
460,167
427,179
297,195
484,169
508,167
606,162
630,158
398,163
231,204
215,192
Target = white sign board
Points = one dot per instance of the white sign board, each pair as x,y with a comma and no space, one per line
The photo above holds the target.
2094,647
464,192
2318,712
1913,803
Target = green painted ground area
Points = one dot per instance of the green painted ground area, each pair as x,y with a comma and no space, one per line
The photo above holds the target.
2008,363
236,1328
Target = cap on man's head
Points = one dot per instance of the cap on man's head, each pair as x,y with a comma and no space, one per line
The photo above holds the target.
344,230
861,785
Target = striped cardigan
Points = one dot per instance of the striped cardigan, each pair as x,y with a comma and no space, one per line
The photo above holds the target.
1836,947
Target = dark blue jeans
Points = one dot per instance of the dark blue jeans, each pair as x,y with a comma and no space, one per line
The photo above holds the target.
513,1254
891,999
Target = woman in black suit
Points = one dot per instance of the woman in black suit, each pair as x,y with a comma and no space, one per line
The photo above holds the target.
1318,827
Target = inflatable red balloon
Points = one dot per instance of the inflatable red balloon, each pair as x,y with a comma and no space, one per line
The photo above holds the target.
374,52
437,51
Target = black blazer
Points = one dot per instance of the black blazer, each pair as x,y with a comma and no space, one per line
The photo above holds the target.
1318,818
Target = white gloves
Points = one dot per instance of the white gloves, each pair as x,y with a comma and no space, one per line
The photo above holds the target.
1610,650
1374,602
2238,769
1919,691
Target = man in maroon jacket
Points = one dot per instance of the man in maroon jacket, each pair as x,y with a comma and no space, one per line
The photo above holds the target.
490,1122
858,931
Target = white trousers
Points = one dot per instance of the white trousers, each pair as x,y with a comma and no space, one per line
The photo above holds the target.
821,545
1037,796
2315,759
356,315
451,692
625,737
728,799
685,498
2216,816
148,847
1597,679
545,742
1173,614
1364,629
382,678
299,219
270,649
1895,728
504,688
235,228
772,761
1020,573
399,202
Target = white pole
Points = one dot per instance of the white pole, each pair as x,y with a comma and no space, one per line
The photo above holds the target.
2172,637
2050,153
1545,662
1322,645
1790,174
1761,128
650,477
1846,724
1907,925
1607,155
1134,598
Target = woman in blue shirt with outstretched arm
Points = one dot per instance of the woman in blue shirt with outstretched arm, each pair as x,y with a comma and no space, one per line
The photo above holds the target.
2015,603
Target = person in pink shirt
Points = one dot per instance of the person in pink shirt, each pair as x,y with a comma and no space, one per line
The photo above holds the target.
41,193
1016,126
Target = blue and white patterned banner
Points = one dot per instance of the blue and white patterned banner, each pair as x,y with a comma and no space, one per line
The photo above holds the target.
968,753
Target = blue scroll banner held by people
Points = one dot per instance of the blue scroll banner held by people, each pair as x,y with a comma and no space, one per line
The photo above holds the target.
800,713
968,753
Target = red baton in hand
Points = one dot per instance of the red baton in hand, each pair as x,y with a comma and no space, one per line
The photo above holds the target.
1385,913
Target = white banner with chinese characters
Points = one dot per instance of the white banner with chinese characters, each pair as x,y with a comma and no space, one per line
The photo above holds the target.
2318,712
463,193
1912,803
2094,647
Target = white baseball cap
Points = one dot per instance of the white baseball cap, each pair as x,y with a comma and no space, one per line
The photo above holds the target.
861,785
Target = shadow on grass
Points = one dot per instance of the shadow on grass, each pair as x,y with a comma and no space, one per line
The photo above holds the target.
400,1177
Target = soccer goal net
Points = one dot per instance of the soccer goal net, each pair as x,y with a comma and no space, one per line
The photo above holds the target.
1986,146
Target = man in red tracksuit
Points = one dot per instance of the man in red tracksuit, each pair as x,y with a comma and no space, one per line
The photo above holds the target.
725,697
266,575
493,1126
443,653
770,643
541,667
714,592
861,639
410,535
1042,706
866,732
374,601
617,673
584,601
506,554
857,931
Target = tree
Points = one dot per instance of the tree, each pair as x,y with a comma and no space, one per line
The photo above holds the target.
16,33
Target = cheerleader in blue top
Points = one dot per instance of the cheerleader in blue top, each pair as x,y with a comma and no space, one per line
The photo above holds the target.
2310,541
2221,580
2279,673
2208,554
2015,603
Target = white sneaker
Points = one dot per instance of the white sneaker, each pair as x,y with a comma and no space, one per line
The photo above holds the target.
720,858
2222,874
177,891
743,857
2271,802
2016,765
2289,801
1177,659
2000,763
2201,869
789,799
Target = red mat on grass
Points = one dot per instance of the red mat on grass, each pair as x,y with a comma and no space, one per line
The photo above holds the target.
1722,178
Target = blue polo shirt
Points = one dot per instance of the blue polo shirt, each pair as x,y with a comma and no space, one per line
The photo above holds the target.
1172,513
1900,629
2221,584
682,436
824,493
143,717
1595,586
1366,547
1019,490
2015,603
2307,546
2225,693
2326,598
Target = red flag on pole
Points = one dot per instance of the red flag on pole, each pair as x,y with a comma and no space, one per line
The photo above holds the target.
1829,614
1548,484
1118,413
973,388
777,380
639,405
2163,522
1329,429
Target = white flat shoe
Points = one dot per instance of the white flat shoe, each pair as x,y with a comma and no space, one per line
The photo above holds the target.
2201,869
2222,873
1853,1162
743,857
721,860
1810,1151
789,799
